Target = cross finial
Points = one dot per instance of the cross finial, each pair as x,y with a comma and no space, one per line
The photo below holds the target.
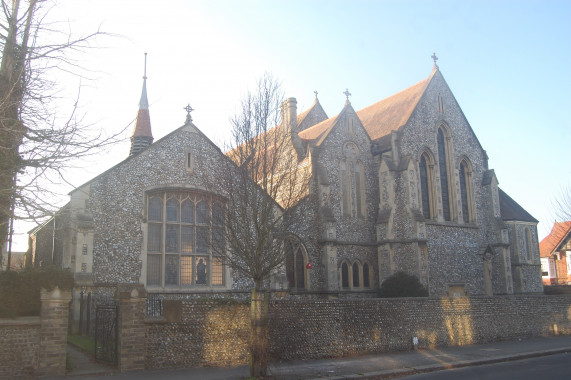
347,94
315,92
434,58
188,110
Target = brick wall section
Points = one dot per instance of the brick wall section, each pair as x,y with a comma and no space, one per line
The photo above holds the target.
131,327
19,347
54,317
213,334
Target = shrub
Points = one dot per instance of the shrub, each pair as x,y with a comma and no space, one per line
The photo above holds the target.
402,284
20,291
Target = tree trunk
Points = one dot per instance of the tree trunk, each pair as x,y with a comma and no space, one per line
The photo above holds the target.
259,332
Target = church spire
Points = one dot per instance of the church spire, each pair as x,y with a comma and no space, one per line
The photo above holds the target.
142,136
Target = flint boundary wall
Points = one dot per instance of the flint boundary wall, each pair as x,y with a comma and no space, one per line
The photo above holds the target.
36,346
206,333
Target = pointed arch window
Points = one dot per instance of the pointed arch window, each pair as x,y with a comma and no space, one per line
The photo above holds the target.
444,174
527,244
466,191
352,182
345,275
425,185
366,275
356,275
296,262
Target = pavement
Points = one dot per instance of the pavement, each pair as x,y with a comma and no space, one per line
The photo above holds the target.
377,366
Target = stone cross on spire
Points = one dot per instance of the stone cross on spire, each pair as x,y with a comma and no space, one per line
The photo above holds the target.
347,94
434,58
188,110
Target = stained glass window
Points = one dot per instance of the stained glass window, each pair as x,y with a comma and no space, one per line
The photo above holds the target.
175,237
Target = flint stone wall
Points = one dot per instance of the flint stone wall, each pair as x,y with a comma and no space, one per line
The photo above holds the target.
208,333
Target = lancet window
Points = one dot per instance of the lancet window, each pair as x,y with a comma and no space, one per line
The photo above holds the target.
443,156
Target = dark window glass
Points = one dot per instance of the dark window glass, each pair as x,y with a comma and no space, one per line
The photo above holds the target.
172,238
424,187
171,270
366,281
443,175
355,275
218,240
172,210
187,211
156,209
345,188
154,237
464,193
202,213
217,214
344,275
358,190
202,238
299,270
154,270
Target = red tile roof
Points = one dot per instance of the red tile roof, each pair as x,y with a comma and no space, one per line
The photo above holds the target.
390,114
557,236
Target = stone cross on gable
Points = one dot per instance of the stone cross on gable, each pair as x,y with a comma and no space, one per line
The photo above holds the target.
315,92
188,110
347,94
434,58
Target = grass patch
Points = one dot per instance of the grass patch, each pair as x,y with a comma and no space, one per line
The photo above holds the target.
85,342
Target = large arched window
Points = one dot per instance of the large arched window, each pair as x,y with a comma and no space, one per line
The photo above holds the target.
425,168
443,154
296,263
466,191
179,249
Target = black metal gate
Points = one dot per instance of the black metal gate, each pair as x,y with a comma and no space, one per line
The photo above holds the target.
106,334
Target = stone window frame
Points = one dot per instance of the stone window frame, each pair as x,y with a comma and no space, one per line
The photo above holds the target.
465,163
528,245
352,182
428,190
445,149
293,267
207,252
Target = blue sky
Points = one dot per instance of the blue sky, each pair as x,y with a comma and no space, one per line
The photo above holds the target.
507,62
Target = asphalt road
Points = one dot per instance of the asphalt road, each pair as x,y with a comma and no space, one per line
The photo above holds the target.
551,366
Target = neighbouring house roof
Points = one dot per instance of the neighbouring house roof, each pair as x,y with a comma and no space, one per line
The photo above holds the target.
511,210
558,235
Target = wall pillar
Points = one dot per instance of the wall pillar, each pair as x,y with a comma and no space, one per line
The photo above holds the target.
131,301
54,315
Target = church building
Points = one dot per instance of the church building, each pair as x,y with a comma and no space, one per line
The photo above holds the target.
400,185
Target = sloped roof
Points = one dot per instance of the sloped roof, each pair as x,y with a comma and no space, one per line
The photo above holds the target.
551,242
143,123
381,118
390,114
511,210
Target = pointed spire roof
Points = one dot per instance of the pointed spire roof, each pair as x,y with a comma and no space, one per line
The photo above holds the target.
142,135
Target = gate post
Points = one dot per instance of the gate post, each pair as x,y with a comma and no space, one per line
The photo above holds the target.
131,300
54,315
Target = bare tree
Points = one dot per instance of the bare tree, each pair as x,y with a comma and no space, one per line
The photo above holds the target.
36,142
561,205
261,194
